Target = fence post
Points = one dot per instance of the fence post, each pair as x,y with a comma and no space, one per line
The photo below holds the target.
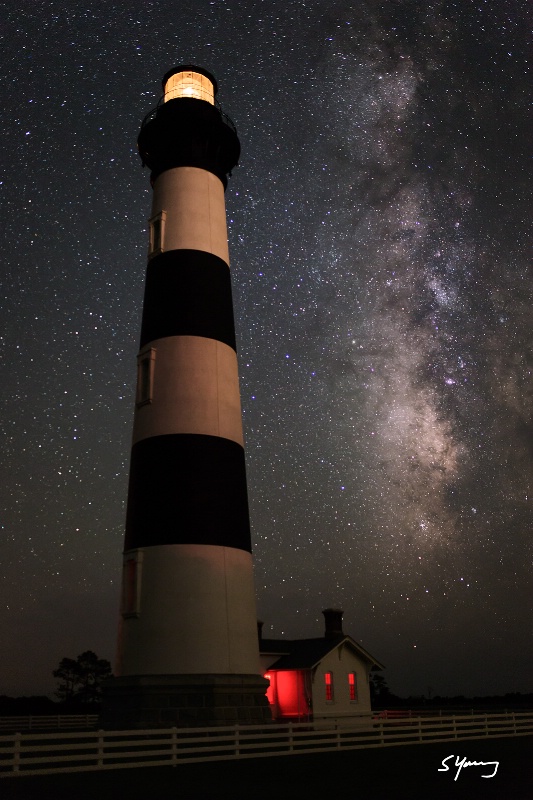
382,733
174,758
486,725
420,729
237,741
291,747
454,723
16,753
100,748
338,737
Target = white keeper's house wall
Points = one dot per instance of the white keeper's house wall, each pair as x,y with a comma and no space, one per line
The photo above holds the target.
340,663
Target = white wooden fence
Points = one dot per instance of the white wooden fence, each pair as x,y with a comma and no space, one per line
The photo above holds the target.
43,722
44,753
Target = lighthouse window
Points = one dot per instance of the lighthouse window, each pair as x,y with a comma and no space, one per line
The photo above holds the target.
157,233
145,376
131,585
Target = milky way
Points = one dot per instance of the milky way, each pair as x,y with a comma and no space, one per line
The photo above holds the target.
379,229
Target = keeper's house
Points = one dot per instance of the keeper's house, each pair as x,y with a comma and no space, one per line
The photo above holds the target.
313,679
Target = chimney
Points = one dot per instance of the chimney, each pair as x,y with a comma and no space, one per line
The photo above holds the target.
333,620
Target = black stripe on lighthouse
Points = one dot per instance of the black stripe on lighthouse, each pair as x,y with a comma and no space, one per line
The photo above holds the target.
187,489
188,293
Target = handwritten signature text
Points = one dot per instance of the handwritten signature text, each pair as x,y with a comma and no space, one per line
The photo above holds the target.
462,763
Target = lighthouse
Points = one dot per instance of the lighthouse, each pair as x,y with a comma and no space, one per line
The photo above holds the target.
188,647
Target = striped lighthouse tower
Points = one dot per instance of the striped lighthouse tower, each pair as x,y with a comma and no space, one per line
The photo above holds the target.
188,646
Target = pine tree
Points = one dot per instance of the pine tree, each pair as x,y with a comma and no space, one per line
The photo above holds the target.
81,680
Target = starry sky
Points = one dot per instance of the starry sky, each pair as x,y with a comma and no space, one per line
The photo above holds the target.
380,238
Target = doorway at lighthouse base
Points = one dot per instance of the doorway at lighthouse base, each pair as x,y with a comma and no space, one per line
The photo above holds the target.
290,694
162,701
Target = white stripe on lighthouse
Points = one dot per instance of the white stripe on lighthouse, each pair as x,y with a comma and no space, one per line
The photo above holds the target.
196,613
193,200
195,390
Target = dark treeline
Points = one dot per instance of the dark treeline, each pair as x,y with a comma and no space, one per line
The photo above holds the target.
79,689
42,705
37,705
511,700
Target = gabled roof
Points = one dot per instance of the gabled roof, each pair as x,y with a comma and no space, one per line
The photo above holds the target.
308,653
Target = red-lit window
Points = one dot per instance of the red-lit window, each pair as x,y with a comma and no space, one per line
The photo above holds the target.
328,682
352,683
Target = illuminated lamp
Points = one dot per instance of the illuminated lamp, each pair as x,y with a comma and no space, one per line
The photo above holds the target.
194,83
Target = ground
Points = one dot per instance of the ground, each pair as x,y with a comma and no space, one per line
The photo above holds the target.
408,772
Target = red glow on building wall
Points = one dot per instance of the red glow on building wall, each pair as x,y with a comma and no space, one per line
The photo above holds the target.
287,693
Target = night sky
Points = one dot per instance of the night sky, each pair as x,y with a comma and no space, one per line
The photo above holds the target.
380,233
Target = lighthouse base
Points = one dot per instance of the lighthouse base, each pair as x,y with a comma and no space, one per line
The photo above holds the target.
184,701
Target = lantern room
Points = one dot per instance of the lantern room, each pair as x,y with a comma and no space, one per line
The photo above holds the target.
191,82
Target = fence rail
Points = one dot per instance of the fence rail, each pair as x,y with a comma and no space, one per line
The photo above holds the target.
54,722
44,753
48,722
